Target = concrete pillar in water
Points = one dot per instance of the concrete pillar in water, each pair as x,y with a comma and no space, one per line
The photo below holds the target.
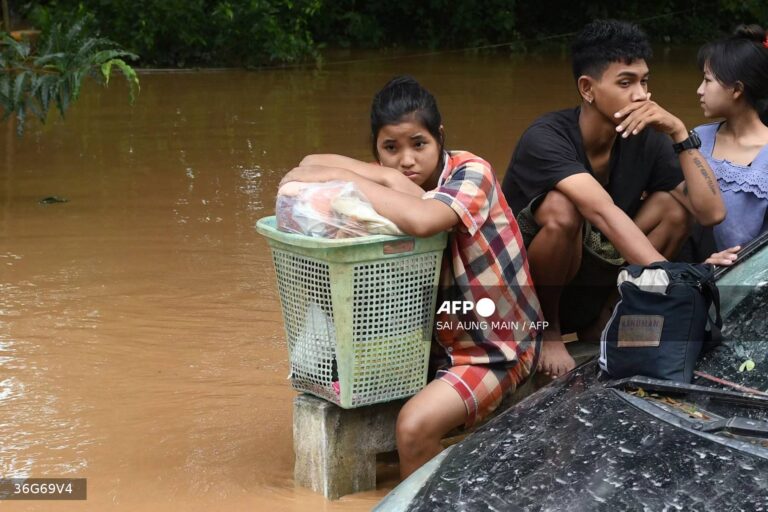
336,448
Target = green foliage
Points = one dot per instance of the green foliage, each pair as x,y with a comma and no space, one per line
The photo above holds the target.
430,24
197,32
665,21
522,23
53,72
267,32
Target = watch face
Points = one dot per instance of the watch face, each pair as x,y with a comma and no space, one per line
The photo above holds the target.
693,140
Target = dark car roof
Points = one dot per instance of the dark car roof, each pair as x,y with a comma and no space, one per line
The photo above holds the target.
584,445
634,444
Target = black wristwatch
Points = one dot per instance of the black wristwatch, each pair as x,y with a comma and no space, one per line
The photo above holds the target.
692,142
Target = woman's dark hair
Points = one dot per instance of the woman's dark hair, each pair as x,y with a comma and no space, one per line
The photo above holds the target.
403,98
741,58
603,42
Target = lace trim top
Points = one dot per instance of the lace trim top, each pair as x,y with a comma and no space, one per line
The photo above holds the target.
744,190
734,177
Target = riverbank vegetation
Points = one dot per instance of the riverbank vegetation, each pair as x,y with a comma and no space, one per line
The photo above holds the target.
179,33
39,73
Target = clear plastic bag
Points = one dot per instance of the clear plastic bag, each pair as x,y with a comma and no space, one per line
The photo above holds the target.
335,209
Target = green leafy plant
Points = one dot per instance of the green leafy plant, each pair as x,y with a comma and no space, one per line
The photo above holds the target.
183,33
35,76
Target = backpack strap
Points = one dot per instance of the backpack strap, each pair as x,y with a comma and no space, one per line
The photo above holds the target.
712,295
709,289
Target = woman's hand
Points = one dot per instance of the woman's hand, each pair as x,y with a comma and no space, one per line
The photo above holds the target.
315,174
724,258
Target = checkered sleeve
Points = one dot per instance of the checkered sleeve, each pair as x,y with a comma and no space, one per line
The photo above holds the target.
467,191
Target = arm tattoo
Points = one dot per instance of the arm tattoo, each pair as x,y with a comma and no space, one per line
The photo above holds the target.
705,173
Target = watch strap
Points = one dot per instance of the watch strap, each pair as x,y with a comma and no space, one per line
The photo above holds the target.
692,142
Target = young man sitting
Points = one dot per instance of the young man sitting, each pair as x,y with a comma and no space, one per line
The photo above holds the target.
614,180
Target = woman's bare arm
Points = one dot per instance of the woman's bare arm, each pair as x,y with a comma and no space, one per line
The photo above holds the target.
385,176
413,215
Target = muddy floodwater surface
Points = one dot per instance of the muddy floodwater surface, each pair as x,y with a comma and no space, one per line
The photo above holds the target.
141,342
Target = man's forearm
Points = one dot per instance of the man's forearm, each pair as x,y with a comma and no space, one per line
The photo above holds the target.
624,234
701,188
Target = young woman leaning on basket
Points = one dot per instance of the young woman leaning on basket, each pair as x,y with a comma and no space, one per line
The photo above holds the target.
424,190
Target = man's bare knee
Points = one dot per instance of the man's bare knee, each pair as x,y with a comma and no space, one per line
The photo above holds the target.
665,205
672,213
678,215
665,222
558,213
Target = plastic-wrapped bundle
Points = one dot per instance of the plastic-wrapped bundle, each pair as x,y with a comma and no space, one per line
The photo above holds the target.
335,209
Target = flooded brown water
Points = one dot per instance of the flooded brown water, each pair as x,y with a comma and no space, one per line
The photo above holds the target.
141,343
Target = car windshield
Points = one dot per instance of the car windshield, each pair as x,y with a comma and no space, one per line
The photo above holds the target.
743,358
749,251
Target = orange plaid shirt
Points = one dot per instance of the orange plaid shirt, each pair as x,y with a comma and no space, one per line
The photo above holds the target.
485,258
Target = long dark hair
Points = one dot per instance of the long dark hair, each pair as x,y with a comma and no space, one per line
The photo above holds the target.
402,98
741,58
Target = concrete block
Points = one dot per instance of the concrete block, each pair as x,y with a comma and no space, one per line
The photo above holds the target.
336,448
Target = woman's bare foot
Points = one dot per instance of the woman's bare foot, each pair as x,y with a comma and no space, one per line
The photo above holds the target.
555,359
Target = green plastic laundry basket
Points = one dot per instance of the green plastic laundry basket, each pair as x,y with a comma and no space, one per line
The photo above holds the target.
358,312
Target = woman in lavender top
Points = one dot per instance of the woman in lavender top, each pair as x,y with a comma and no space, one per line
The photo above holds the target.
735,88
